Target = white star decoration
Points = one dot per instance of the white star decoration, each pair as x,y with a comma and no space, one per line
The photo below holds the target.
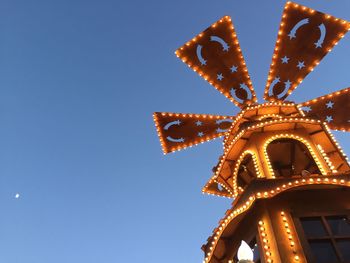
219,76
287,83
329,105
329,119
285,60
200,134
301,65
233,69
291,35
198,123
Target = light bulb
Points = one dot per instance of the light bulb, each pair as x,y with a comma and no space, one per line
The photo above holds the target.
245,252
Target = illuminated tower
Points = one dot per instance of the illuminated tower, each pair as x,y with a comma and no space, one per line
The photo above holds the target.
288,176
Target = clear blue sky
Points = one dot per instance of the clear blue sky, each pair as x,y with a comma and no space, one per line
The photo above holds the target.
79,81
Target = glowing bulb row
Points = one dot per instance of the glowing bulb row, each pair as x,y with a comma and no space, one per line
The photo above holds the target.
272,115
326,158
265,241
328,96
289,235
336,143
193,115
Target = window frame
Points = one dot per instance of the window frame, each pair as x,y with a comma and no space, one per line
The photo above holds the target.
330,236
252,174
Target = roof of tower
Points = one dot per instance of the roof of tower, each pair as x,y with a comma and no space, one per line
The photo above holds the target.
278,126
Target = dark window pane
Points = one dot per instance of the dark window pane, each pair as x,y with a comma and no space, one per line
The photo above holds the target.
253,244
344,247
290,157
340,225
313,227
256,253
246,171
323,251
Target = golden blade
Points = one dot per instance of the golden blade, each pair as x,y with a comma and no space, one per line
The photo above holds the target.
179,130
304,38
215,55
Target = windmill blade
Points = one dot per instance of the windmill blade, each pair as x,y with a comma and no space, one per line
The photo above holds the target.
215,55
333,109
179,130
304,38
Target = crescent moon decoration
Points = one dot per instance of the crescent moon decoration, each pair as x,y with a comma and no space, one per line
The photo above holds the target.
283,94
217,48
292,33
225,46
218,122
199,55
233,94
224,120
272,85
168,125
305,36
320,41
244,87
287,86
219,130
171,139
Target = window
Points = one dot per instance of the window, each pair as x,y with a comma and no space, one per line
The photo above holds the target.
246,172
290,157
256,251
327,238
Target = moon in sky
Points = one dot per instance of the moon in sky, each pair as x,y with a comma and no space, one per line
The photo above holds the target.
17,195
